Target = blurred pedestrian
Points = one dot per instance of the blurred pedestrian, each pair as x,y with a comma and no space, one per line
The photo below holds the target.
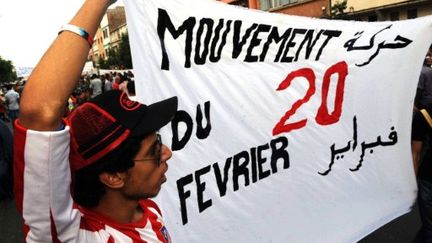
12,101
2,106
95,86
6,159
423,97
108,82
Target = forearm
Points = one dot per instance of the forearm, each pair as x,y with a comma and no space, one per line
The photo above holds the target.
57,73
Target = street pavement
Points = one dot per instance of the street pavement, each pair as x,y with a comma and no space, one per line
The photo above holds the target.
400,230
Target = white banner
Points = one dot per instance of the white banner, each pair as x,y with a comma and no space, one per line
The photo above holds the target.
290,129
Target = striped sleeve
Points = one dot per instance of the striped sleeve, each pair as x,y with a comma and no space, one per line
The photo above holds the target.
42,185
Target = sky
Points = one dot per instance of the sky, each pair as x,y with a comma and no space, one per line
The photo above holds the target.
28,27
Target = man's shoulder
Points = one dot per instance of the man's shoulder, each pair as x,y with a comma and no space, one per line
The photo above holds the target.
148,203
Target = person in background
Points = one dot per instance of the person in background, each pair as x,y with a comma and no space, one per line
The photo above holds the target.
95,86
12,102
423,96
2,106
6,159
117,82
109,144
421,138
108,82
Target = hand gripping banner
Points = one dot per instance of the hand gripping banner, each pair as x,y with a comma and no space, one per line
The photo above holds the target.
289,129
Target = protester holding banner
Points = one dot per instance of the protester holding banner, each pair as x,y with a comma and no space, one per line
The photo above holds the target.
422,148
424,88
109,143
421,139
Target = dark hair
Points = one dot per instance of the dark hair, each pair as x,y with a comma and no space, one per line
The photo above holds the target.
88,189
131,88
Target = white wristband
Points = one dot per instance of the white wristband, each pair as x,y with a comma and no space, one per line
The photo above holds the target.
79,31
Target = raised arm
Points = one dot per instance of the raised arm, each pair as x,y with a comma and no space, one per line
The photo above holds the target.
57,73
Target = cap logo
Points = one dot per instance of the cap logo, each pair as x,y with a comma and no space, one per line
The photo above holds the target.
128,104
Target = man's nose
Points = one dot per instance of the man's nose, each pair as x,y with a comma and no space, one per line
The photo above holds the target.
166,153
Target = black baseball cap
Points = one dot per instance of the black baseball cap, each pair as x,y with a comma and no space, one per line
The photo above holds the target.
103,123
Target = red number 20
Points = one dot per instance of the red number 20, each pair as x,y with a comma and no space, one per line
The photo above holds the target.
323,116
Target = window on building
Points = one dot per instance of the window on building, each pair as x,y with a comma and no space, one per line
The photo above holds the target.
412,13
268,4
105,33
373,18
394,16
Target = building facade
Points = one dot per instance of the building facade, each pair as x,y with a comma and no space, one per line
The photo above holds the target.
108,35
309,8
384,10
361,10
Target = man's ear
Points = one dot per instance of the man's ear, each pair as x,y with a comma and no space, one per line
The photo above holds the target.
112,180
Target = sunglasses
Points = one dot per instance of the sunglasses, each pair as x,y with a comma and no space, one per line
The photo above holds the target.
157,152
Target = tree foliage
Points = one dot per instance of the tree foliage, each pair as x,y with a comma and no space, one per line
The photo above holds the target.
121,58
339,7
125,57
7,71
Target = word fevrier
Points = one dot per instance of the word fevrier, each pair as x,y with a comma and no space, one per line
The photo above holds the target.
247,164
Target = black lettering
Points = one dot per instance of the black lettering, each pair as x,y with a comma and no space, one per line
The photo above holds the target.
201,188
183,195
208,23
274,36
255,41
164,22
240,163
261,160
201,132
181,116
222,181
310,44
291,43
216,56
254,165
279,153
330,34
238,45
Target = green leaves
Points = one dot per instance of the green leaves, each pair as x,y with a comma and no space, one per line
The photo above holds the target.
7,71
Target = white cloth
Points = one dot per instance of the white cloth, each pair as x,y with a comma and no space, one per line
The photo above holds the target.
290,129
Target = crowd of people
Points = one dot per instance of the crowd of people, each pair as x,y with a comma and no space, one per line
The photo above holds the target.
88,87
92,85
9,100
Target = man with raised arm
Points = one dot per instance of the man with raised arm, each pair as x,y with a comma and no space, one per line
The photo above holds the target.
89,177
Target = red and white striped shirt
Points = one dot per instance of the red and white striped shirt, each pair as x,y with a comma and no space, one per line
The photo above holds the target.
42,190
